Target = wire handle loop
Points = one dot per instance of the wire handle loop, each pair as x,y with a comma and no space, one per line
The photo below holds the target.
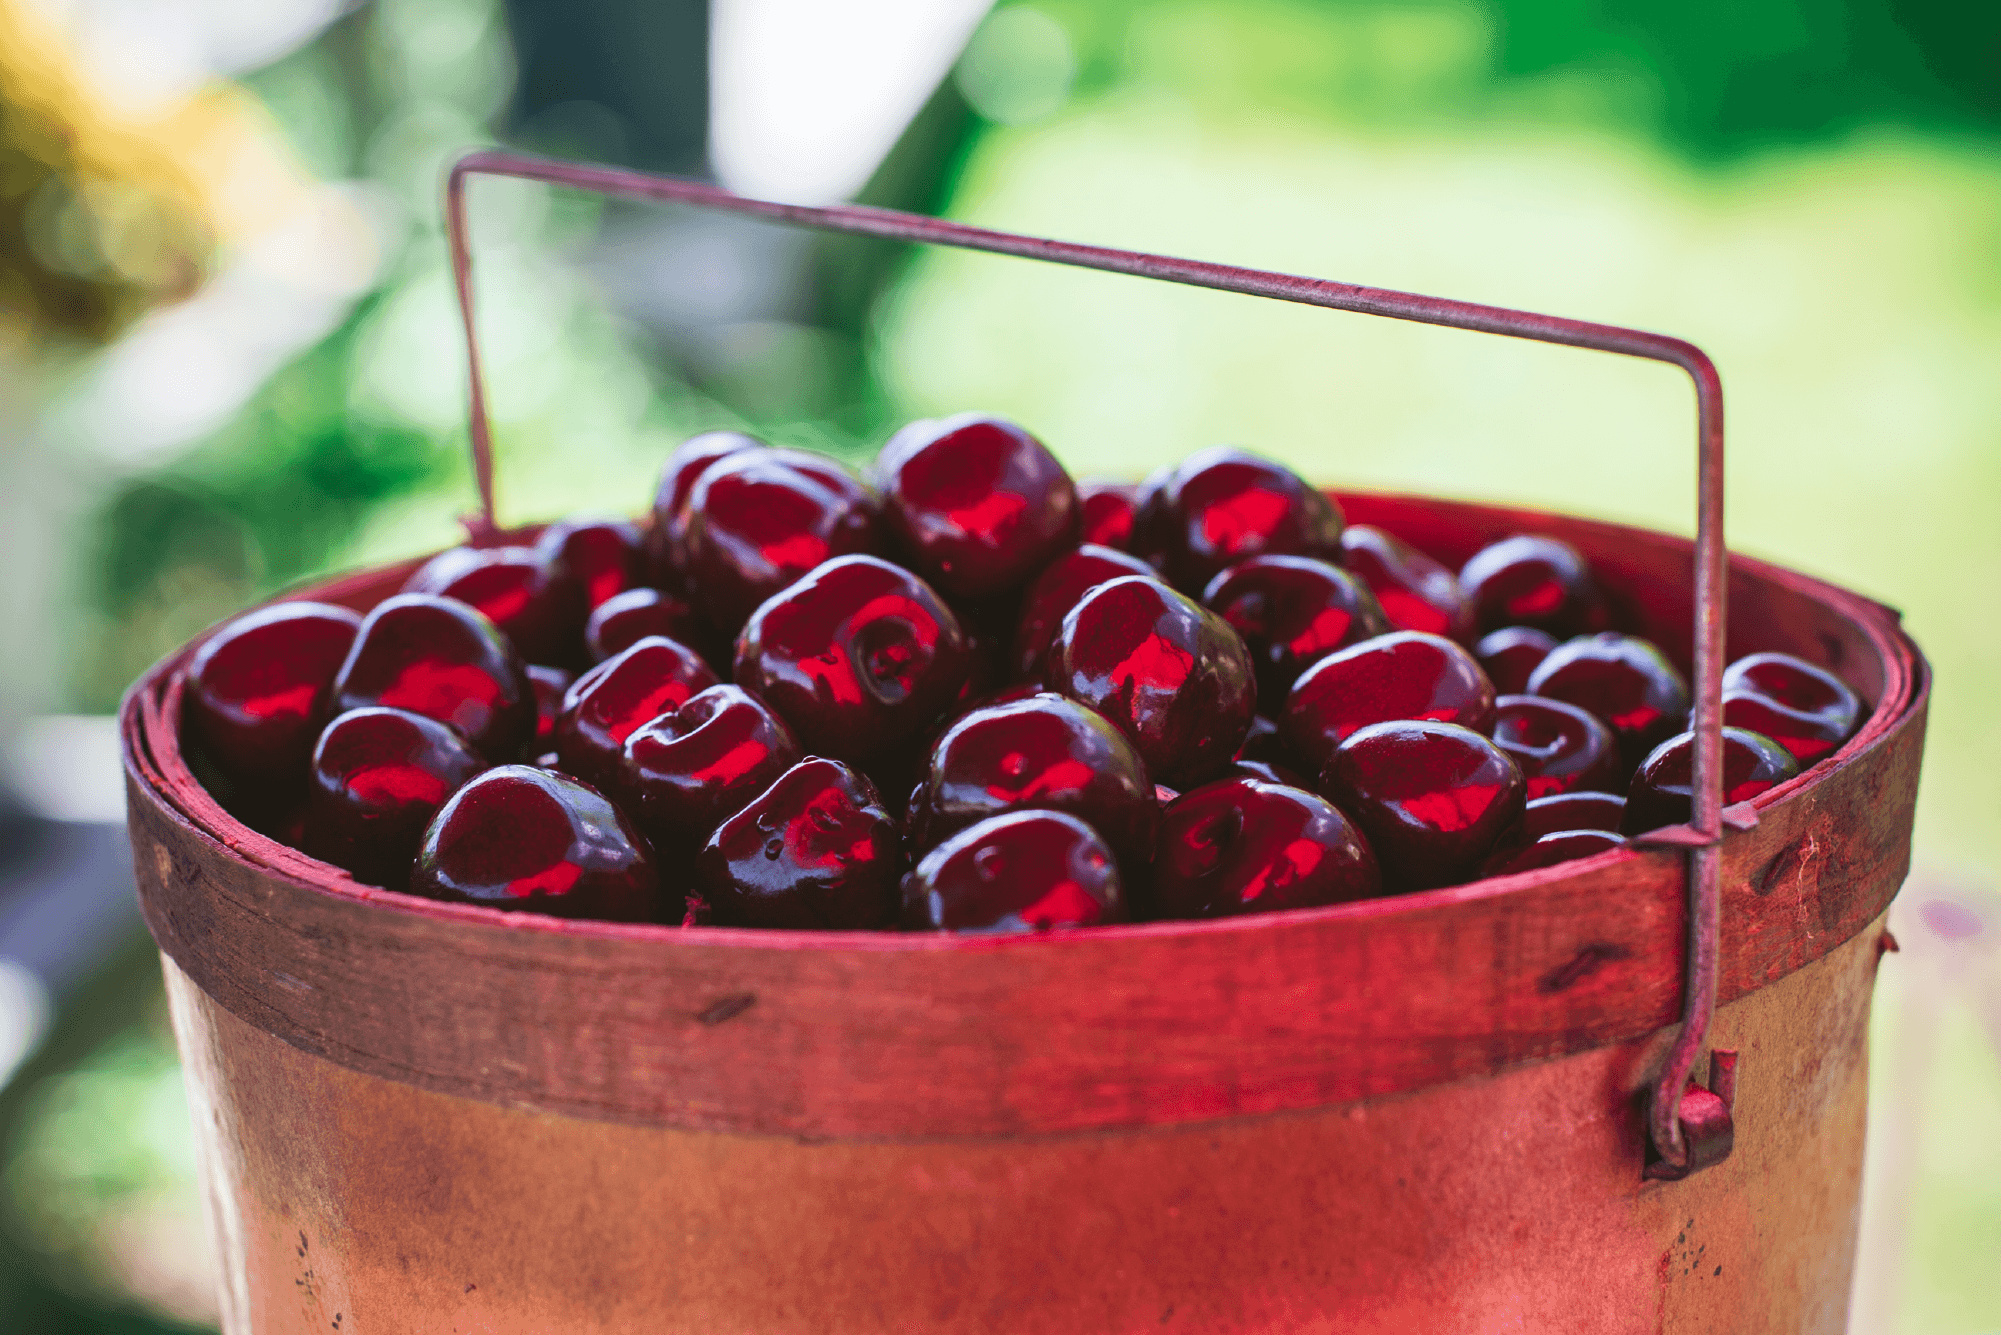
1705,831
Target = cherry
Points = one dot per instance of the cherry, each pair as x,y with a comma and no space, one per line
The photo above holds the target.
1029,871
1223,505
551,685
1045,752
816,849
533,602
1402,675
1170,674
685,466
1055,591
1292,611
1241,846
859,657
440,658
1107,509
1264,755
1805,709
620,696
1572,811
1511,655
1624,680
1433,798
258,689
1663,790
377,777
978,503
624,619
1532,581
759,519
523,838
687,771
1550,849
1415,592
603,557
1559,748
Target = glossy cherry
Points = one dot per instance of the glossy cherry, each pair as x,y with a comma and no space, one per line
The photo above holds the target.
1241,846
1292,611
859,657
1559,748
1170,674
1048,753
1107,509
977,504
620,696
1433,798
624,619
551,686
1223,505
686,772
815,849
602,557
1029,871
523,838
1415,592
1572,811
759,519
440,658
1533,581
1510,656
1626,681
259,689
1550,849
532,600
1403,675
1807,710
1663,788
1055,591
377,778
684,468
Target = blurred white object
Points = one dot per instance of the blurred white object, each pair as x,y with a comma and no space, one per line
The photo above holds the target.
67,767
24,1016
805,97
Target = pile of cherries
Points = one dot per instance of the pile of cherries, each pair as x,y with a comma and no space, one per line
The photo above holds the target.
969,695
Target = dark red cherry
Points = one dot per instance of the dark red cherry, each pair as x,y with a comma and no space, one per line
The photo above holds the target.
1416,592
1108,512
816,849
259,688
440,658
1292,611
627,618
1533,581
978,503
534,602
1805,709
377,778
1624,680
1223,505
1662,790
685,466
620,696
860,657
1045,752
686,772
1550,849
1169,673
1055,591
1559,748
1029,871
1434,799
1510,656
551,685
1572,811
523,838
1263,743
603,557
1241,846
760,519
1402,675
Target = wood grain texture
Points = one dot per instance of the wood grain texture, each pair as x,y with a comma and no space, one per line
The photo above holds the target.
889,1037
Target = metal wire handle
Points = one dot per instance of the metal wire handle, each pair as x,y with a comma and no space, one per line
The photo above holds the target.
1702,837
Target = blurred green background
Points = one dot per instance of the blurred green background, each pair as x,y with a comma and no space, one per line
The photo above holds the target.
1810,189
